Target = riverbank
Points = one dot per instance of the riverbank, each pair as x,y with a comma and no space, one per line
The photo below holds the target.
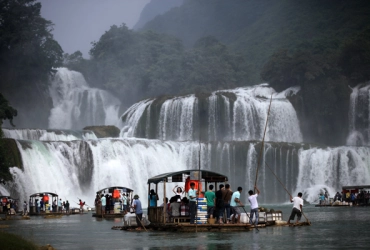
13,241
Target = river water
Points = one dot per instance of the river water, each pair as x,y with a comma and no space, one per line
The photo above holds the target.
332,228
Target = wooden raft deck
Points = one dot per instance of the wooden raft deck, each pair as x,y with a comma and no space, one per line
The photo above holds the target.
109,216
186,227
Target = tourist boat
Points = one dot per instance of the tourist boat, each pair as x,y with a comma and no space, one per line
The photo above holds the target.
362,197
48,199
113,210
158,216
4,199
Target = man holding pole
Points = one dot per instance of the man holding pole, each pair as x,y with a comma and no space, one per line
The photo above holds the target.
136,205
254,206
297,207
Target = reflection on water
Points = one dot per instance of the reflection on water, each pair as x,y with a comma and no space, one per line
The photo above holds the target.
345,227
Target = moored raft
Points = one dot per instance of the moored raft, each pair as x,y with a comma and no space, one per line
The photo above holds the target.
47,208
114,195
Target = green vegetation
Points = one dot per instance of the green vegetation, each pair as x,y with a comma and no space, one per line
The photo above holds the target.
141,65
27,54
8,157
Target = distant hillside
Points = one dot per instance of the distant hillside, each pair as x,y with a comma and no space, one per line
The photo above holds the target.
154,8
257,28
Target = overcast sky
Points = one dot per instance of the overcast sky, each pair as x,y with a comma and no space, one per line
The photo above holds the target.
79,22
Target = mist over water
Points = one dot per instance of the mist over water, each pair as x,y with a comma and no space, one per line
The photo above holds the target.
76,105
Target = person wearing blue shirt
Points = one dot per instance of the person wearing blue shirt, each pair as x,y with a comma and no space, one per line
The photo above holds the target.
192,193
153,197
235,200
136,205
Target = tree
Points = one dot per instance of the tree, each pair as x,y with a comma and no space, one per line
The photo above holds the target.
27,48
6,113
28,54
354,58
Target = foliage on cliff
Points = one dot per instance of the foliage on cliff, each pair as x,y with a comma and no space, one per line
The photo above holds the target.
325,75
7,147
258,28
28,53
139,65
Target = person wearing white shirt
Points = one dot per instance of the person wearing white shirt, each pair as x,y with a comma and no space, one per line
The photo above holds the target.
297,207
254,206
192,202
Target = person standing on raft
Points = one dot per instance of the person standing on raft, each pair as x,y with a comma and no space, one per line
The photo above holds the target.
297,207
254,206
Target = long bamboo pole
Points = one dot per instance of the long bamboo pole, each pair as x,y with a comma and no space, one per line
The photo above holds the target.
285,189
196,208
262,145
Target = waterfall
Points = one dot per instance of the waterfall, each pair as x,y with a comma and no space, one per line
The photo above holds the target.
359,114
77,169
76,105
238,115
166,134
332,168
48,135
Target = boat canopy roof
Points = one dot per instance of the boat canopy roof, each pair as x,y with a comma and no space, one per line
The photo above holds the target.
7,196
356,187
42,194
123,189
206,175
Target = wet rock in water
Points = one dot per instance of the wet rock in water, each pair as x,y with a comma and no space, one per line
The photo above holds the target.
104,131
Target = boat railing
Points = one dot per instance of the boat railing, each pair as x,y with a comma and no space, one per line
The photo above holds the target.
155,214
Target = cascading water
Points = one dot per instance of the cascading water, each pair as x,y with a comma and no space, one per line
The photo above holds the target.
332,168
237,115
76,105
77,169
359,116
48,135
231,120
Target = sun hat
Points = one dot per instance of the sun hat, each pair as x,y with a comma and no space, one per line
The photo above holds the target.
136,196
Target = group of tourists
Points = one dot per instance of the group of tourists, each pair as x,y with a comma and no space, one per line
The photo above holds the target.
107,202
360,198
8,204
58,206
224,205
